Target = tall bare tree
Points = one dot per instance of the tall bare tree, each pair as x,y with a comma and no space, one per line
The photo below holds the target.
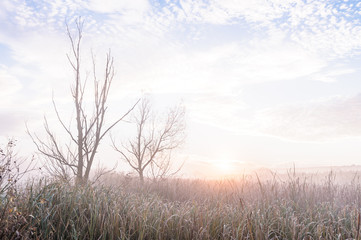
154,141
77,157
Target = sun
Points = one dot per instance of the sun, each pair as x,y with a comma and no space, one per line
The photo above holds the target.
223,166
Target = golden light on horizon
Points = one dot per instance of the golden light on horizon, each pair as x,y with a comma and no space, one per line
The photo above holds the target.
224,168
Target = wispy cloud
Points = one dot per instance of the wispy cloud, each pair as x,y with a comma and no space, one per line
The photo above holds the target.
313,121
332,75
113,6
333,28
228,11
329,28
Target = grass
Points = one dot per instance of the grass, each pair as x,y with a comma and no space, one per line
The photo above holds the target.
247,208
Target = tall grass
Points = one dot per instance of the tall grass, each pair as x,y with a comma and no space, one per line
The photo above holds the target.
247,208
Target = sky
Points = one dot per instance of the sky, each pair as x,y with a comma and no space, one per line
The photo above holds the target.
265,83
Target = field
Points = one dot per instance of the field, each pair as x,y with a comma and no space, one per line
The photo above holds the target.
118,207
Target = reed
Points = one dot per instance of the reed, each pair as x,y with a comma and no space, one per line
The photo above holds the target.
246,208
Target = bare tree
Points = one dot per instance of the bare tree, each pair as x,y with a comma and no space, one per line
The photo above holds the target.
154,141
77,157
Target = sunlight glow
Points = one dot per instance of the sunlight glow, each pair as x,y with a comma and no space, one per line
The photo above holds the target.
224,167
227,168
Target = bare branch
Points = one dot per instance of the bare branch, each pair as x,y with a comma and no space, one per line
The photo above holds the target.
61,121
120,119
153,148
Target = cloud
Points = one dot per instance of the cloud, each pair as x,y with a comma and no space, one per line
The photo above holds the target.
222,68
224,111
5,6
11,122
111,6
332,75
274,62
332,29
146,43
230,11
9,84
39,63
314,121
328,28
286,40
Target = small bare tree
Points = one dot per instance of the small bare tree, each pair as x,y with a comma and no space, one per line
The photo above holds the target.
154,141
77,157
12,167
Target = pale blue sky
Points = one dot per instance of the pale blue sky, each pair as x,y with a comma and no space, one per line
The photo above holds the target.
265,82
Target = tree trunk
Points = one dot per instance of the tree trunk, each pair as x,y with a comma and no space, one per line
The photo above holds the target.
141,177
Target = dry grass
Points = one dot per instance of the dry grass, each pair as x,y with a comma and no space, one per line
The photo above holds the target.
247,208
